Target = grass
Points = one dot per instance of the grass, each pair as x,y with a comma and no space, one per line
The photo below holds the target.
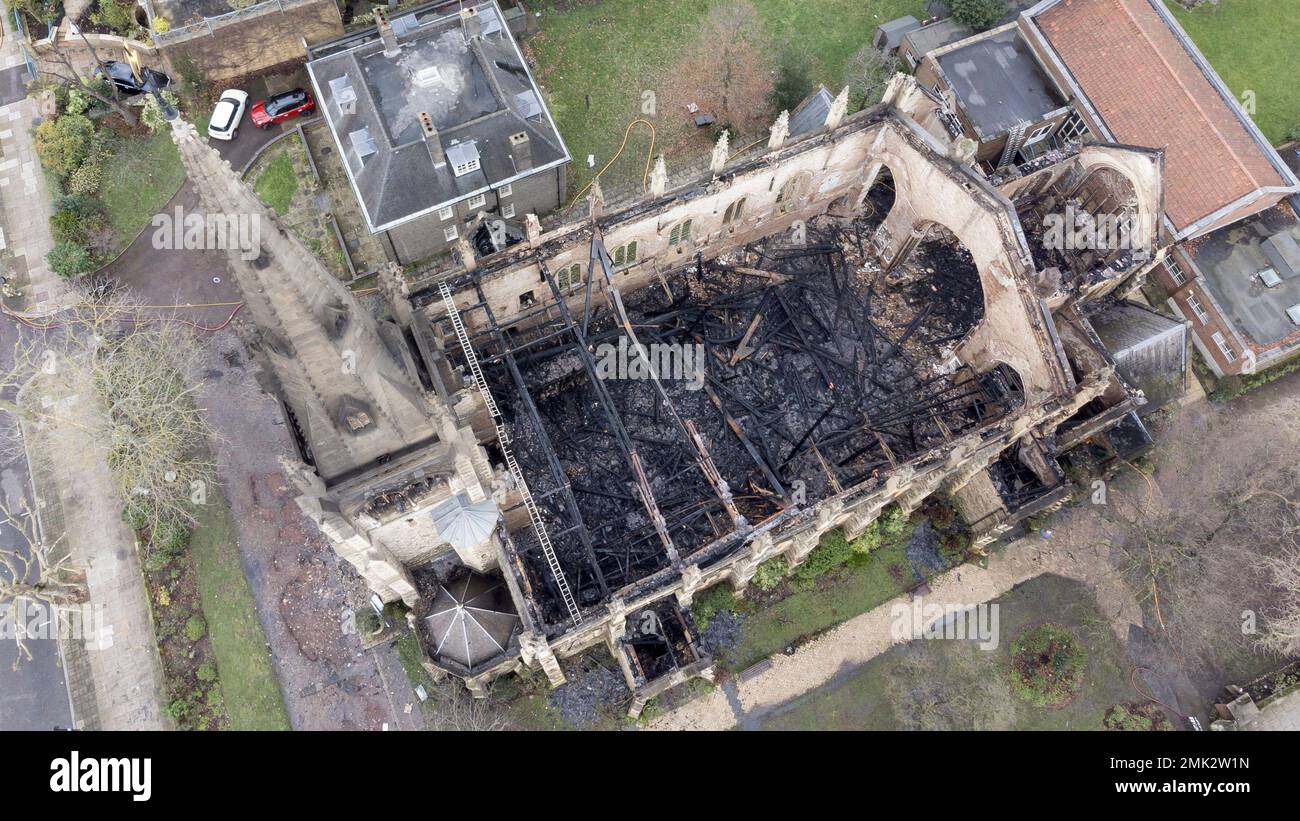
277,183
248,680
863,584
140,176
614,50
1251,44
953,684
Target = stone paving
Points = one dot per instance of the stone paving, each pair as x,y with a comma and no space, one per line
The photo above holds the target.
25,236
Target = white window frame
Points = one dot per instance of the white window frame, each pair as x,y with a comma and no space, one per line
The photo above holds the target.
508,210
446,212
505,190
1224,348
1175,270
461,169
1198,309
450,234
1040,133
1074,129
478,201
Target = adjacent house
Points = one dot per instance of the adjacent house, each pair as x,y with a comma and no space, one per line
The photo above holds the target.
1068,72
440,125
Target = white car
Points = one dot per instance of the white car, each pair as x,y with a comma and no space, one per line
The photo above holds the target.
226,115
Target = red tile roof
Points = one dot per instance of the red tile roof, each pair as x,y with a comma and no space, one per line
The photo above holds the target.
1151,92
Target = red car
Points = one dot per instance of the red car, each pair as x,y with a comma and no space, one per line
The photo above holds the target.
280,107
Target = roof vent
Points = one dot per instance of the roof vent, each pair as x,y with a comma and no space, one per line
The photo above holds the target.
1293,313
362,143
1270,278
344,95
428,76
527,104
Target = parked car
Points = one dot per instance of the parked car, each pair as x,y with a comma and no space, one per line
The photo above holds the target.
280,107
122,76
226,114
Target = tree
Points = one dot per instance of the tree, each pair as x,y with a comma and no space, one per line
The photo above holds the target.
728,73
978,14
33,571
125,380
58,71
66,142
867,74
70,259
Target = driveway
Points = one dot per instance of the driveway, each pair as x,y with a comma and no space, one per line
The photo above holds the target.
241,150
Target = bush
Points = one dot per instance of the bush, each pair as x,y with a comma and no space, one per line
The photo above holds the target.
85,180
151,115
170,537
770,573
833,551
64,143
207,672
68,259
1047,665
195,627
116,15
709,603
162,25
978,14
793,79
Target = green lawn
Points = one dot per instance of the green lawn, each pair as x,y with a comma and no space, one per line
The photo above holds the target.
248,681
277,183
953,684
1252,44
140,176
863,584
616,49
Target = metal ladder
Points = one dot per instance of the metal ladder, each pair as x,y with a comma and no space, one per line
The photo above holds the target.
503,438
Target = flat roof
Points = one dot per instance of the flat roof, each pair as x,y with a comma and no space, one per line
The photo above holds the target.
936,35
476,94
1231,260
1152,88
999,83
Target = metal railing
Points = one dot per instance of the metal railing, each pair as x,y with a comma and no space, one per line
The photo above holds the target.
208,25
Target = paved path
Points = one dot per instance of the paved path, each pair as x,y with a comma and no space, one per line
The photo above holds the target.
25,236
861,639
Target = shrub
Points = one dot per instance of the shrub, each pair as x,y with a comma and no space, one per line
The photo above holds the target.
117,16
893,522
85,180
206,672
68,259
151,115
1047,665
833,551
64,143
170,537
162,25
709,603
770,573
978,14
195,627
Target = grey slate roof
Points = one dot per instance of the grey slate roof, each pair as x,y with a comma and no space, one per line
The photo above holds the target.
1149,348
810,114
473,92
894,30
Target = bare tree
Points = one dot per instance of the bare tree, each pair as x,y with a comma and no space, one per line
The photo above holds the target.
867,74
126,380
59,70
729,70
34,571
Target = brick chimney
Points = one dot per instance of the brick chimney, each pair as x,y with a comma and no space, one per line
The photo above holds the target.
386,32
521,150
470,21
432,140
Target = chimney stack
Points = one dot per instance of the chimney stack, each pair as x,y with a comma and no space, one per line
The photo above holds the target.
473,26
521,150
386,32
432,140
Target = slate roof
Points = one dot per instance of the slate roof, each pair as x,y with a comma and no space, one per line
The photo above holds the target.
476,94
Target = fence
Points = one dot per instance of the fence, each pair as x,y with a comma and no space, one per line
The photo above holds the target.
209,25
